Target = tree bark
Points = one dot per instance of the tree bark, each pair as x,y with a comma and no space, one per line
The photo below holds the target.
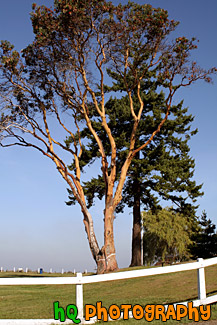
136,236
109,245
105,257
97,253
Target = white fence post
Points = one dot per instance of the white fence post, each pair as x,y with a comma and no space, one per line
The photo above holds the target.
79,296
201,281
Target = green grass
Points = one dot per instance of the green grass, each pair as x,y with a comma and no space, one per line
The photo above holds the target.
37,301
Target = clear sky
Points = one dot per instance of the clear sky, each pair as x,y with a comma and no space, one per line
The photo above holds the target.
37,228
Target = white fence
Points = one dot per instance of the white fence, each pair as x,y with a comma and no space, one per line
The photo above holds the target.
79,281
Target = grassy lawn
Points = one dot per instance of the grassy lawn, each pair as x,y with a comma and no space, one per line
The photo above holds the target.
37,301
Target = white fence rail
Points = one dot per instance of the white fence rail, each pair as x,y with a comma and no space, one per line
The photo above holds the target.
79,281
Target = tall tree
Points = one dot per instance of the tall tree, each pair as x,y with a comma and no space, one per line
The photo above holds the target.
164,169
57,83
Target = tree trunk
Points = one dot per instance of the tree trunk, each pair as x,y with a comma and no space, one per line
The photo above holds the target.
136,236
97,253
105,257
109,245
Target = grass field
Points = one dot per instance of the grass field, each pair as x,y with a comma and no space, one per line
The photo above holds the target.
37,301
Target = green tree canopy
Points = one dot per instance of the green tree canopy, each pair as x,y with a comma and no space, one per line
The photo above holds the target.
167,235
205,239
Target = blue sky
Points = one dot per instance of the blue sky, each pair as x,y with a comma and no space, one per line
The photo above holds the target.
37,228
